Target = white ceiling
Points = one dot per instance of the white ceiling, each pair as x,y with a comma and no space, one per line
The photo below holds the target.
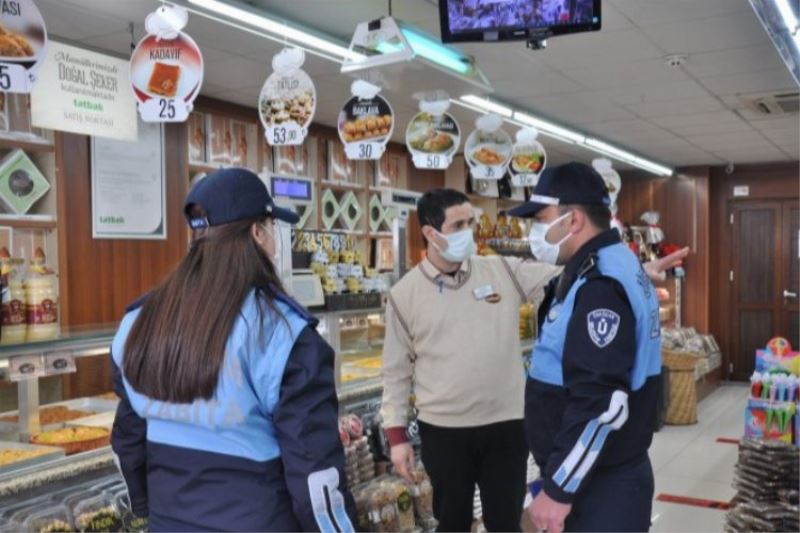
613,84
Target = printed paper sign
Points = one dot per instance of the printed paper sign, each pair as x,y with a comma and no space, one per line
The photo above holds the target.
528,159
433,140
488,149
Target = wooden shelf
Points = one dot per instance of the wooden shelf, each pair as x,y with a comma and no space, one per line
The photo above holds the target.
342,186
12,143
356,233
28,221
204,167
380,234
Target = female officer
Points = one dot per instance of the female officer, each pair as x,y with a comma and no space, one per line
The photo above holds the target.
228,417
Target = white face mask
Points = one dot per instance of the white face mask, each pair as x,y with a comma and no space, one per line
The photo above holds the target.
541,249
460,246
277,243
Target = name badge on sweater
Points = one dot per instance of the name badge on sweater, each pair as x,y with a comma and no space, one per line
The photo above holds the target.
487,293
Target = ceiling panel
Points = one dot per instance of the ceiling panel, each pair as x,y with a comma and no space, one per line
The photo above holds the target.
646,13
77,21
677,107
586,50
656,92
766,81
734,61
623,73
236,73
574,108
734,30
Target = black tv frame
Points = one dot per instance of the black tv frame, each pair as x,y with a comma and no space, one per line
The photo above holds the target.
536,34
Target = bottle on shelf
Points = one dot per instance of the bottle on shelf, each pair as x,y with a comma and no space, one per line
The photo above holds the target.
41,296
15,320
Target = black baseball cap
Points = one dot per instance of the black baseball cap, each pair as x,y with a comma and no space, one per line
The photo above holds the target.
568,184
233,194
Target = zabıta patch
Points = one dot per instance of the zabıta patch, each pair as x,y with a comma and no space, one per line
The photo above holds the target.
603,325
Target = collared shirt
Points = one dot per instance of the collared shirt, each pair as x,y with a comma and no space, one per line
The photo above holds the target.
457,338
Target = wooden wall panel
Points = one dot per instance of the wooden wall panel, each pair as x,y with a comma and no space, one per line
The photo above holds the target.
100,277
682,201
766,182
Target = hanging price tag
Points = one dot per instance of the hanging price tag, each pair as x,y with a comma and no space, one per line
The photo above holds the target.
59,363
364,150
433,138
285,135
166,67
366,122
528,159
164,110
15,78
25,367
488,149
288,99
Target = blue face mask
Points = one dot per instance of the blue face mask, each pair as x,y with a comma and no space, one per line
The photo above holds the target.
460,246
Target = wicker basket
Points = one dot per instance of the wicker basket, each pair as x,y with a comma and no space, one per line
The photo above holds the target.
682,389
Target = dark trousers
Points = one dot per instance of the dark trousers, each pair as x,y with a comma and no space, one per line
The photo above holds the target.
494,457
617,498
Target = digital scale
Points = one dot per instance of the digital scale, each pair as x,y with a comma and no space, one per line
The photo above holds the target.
306,288
294,192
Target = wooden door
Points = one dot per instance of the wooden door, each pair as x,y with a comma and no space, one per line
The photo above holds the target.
765,264
790,278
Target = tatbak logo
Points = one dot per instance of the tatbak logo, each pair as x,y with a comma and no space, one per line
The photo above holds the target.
112,220
11,8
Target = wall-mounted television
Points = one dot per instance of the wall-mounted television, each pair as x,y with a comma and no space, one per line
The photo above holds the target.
504,20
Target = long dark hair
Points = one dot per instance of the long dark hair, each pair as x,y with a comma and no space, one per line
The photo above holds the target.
177,345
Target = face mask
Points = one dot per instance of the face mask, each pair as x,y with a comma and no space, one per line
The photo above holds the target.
460,246
540,248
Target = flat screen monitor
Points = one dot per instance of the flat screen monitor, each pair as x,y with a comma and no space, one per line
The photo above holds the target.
503,20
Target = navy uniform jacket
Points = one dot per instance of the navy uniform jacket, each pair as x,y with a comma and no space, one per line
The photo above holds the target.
594,383
262,455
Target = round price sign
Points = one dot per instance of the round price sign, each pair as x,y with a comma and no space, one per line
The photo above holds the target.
288,100
166,68
488,154
528,159
23,42
365,126
433,140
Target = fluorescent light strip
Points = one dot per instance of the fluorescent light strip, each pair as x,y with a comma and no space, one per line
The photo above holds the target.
278,28
789,18
488,105
549,127
436,52
482,105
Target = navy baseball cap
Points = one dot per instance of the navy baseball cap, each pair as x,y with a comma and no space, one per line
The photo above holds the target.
233,194
569,184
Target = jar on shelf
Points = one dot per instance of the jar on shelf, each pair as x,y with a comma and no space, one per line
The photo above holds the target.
15,319
41,297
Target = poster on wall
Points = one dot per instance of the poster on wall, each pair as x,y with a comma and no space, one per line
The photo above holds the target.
128,187
166,67
287,100
23,42
366,122
84,92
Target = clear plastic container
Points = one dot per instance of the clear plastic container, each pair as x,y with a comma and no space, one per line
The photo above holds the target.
41,297
9,511
13,301
97,514
54,519
131,523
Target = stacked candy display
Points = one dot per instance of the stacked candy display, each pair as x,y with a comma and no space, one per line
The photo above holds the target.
774,394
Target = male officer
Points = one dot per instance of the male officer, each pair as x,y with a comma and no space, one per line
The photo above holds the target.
592,391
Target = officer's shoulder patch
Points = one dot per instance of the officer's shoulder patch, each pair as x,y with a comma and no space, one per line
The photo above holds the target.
603,325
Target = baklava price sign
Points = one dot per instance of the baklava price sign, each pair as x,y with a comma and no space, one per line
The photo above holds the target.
365,123
287,100
166,68
23,39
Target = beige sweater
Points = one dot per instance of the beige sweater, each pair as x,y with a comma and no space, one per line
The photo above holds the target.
462,350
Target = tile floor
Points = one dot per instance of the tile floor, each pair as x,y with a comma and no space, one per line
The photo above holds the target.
688,461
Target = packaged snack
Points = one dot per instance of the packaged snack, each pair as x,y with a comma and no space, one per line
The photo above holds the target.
383,511
52,519
96,514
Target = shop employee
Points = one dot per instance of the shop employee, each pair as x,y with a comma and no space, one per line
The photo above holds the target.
592,392
228,411
452,331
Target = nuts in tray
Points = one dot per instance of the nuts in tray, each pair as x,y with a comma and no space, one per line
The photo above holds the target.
52,415
106,519
55,526
74,439
8,457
